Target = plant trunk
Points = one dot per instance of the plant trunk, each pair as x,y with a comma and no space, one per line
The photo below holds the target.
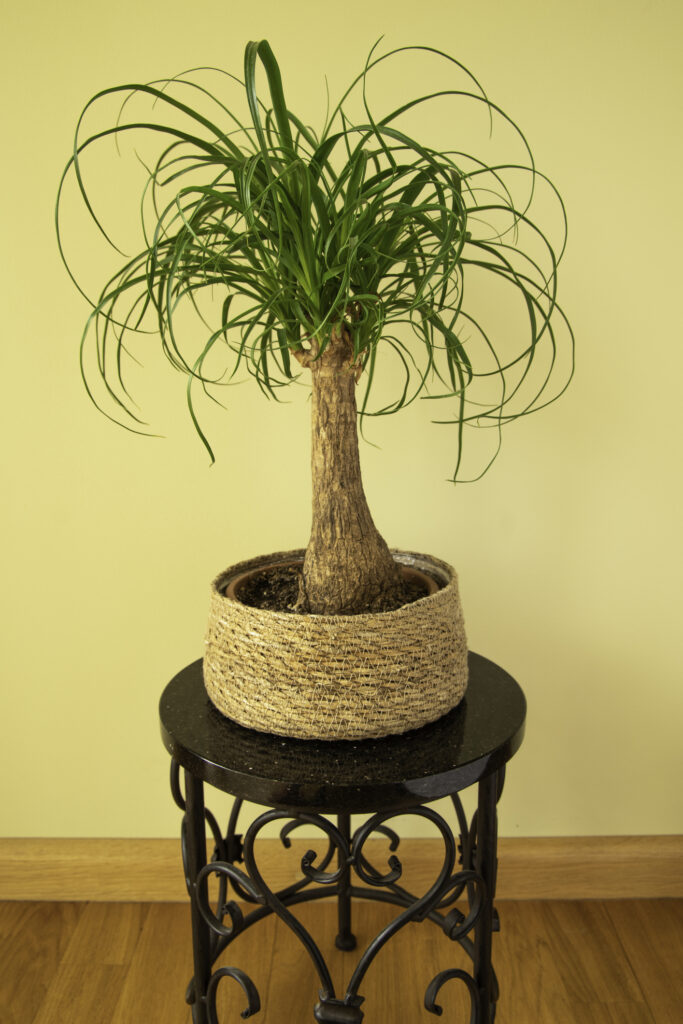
348,567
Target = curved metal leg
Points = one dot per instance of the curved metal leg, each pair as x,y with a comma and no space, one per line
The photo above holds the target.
345,939
194,835
478,853
486,865
208,928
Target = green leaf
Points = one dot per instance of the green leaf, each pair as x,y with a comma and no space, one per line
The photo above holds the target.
265,232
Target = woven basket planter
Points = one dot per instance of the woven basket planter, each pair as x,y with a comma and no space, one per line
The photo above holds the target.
337,677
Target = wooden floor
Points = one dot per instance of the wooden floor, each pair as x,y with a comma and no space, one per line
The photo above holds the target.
591,962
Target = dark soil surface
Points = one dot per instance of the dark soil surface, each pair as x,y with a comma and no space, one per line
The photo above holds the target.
277,589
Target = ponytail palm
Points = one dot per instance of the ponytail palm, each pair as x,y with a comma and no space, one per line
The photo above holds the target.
320,252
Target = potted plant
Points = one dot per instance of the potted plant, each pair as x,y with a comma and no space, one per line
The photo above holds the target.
316,253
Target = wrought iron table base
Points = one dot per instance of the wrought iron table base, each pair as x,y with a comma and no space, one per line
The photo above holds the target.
468,869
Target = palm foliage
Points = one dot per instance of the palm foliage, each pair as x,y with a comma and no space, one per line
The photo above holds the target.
274,234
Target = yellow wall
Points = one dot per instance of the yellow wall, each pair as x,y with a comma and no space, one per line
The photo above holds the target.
568,552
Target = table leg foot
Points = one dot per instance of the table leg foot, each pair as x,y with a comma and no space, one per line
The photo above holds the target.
336,1011
345,941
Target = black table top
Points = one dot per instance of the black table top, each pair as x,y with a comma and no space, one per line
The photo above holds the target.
468,743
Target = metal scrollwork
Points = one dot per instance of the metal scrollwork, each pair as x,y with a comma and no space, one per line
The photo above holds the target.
418,909
220,850
321,877
223,908
456,925
394,842
330,874
180,801
440,979
250,990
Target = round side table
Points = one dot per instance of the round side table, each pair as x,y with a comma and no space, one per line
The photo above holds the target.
310,782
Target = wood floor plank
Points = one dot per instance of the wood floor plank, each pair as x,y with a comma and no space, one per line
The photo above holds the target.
651,933
252,952
33,940
88,983
587,952
562,963
531,983
294,986
396,981
557,962
154,987
382,987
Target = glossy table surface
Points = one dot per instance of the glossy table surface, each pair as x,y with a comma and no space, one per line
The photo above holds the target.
478,736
